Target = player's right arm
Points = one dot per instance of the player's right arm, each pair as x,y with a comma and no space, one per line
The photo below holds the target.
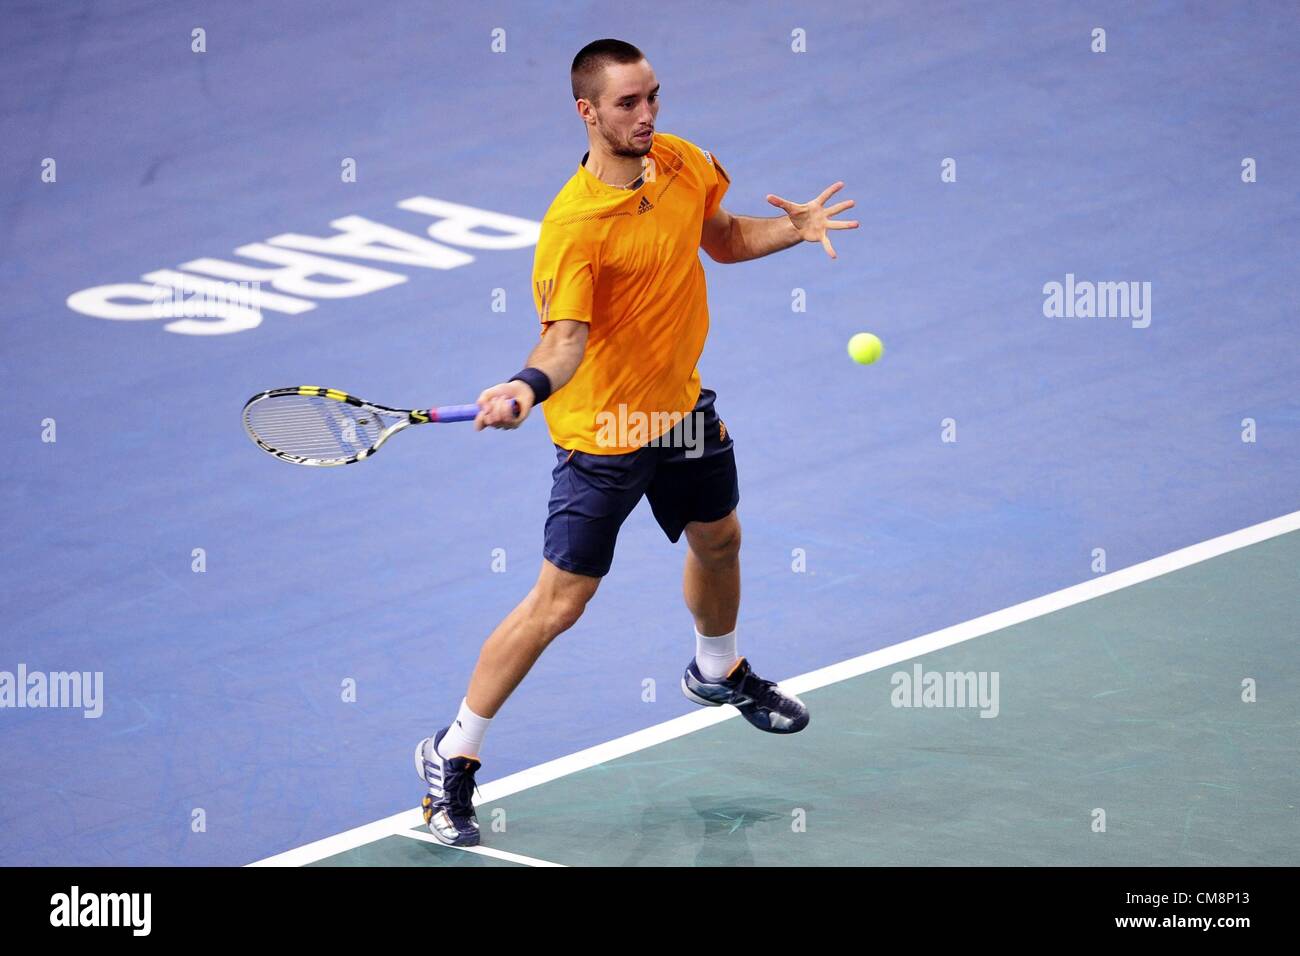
564,281
557,356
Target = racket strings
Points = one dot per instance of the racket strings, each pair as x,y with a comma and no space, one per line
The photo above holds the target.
313,426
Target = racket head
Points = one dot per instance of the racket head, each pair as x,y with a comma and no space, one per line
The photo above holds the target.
320,427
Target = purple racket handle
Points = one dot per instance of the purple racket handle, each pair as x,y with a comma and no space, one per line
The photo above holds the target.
459,413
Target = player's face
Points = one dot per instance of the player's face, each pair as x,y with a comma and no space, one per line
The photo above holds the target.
629,103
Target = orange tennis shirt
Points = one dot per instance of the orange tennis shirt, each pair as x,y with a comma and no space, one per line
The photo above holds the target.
626,261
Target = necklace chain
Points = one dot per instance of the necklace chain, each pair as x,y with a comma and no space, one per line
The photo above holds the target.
645,161
639,176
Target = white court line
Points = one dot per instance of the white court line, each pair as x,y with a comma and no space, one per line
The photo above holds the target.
854,667
496,789
480,850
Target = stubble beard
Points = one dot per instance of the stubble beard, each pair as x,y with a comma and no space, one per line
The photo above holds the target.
630,151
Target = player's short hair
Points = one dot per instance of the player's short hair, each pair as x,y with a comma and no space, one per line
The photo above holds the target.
589,66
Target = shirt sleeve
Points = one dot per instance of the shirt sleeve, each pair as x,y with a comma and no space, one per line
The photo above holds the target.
716,183
563,275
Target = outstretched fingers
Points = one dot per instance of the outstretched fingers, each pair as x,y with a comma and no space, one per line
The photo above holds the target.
828,192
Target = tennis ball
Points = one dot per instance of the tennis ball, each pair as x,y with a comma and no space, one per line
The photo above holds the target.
865,348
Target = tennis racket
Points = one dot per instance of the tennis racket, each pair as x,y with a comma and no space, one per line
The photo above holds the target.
308,425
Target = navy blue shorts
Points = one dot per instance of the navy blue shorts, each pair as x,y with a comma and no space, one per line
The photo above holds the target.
691,476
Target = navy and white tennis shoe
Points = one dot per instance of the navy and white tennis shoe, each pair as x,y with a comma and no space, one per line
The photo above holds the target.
759,701
449,804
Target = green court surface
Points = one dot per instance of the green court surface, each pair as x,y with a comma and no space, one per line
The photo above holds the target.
1130,703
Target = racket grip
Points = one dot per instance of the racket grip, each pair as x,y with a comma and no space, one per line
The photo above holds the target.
460,413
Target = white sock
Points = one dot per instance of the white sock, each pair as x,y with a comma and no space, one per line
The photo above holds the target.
715,656
465,736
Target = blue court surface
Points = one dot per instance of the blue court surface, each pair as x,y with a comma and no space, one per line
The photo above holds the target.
273,640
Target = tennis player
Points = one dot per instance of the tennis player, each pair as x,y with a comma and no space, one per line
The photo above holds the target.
619,287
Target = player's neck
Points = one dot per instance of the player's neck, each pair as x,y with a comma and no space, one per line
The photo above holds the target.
616,171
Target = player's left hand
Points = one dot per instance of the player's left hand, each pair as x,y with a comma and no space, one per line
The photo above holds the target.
812,220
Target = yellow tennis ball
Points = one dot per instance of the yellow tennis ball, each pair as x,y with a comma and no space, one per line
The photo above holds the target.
865,348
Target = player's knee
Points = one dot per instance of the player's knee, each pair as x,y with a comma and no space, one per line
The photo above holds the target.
564,612
718,545
561,605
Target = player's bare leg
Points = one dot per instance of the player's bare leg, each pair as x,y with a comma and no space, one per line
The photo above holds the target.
717,675
553,606
711,581
448,760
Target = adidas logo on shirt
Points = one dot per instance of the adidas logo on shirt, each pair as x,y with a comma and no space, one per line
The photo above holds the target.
646,206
